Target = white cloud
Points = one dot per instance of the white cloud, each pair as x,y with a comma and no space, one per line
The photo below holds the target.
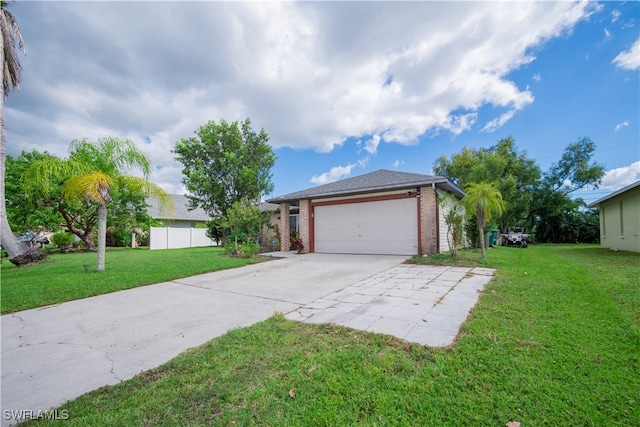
629,59
300,70
621,125
398,163
537,77
607,34
615,15
618,178
336,173
371,146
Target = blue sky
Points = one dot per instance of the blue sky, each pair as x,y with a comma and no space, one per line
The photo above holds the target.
342,88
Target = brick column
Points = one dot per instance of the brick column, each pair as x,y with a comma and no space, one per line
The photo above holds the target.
428,220
304,224
285,225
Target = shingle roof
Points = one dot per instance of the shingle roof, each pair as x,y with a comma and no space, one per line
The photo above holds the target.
373,182
614,194
180,210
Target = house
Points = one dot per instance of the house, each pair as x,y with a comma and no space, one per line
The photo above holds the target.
382,212
620,218
180,216
181,227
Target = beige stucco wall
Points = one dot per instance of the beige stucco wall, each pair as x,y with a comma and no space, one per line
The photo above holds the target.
618,231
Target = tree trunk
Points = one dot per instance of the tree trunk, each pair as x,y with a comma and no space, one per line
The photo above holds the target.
102,236
18,252
484,254
85,234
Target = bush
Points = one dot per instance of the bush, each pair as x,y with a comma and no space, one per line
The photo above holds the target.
249,249
296,244
62,240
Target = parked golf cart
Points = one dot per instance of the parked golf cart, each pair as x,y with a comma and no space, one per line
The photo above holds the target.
515,236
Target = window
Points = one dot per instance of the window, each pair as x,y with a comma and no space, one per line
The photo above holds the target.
294,224
621,221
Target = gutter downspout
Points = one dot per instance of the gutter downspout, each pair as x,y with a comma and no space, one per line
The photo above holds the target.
435,193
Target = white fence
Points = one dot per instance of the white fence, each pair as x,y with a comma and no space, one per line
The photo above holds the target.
174,238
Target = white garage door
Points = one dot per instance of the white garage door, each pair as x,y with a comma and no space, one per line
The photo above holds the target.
384,227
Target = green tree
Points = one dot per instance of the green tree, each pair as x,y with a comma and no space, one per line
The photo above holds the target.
31,209
515,175
242,224
127,214
95,171
225,163
25,213
454,217
483,200
18,252
553,211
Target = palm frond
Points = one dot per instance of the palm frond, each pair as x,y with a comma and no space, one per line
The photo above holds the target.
94,186
12,69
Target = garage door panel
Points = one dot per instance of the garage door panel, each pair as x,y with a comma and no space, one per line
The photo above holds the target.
381,227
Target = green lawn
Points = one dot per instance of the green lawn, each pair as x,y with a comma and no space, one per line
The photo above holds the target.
554,340
63,277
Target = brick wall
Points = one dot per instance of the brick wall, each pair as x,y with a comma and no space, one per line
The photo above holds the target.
428,221
304,225
285,227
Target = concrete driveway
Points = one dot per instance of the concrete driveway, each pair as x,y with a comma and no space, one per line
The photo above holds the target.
57,353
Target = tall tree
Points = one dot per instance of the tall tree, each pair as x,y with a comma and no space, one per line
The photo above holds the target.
23,212
554,212
18,252
514,174
483,199
95,170
225,163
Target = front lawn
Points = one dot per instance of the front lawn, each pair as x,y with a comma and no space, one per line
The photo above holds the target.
554,340
66,277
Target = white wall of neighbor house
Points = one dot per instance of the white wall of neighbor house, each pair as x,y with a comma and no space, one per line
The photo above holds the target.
620,222
176,238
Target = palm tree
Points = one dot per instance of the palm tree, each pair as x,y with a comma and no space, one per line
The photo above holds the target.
94,169
18,252
483,199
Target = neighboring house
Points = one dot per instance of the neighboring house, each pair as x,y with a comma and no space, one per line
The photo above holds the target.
382,212
181,227
180,216
620,218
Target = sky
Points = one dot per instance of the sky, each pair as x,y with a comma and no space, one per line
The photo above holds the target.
342,88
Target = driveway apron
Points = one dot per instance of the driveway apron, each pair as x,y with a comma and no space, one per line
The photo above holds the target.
57,353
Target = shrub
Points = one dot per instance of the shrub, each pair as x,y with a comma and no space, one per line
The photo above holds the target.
249,249
296,244
62,240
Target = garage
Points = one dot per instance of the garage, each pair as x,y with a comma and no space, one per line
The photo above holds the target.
369,227
382,212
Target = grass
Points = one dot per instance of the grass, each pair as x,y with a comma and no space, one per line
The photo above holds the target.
554,340
63,277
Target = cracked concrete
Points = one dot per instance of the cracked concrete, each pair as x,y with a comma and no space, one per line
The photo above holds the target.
57,353
422,304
